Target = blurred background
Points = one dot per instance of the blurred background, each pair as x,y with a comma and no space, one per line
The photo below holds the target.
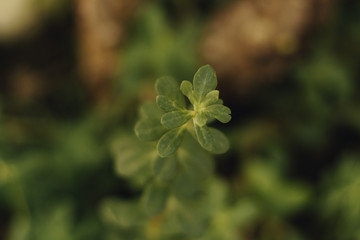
73,74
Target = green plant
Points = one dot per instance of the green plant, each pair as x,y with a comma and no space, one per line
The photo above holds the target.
173,118
174,168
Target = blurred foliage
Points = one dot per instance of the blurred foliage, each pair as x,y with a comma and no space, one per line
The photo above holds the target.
69,170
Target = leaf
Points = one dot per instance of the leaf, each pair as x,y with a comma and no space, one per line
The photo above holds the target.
197,162
166,103
121,213
150,110
165,168
212,139
200,119
211,98
220,112
187,89
204,136
149,129
186,187
155,197
221,142
131,156
204,81
168,87
175,119
170,142
190,220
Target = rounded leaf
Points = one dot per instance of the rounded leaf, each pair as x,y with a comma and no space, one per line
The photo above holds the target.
170,88
204,137
149,129
220,112
170,142
204,81
155,197
165,168
175,119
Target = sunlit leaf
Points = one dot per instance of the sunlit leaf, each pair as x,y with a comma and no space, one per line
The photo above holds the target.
204,136
168,87
200,119
212,139
211,98
204,81
220,112
166,104
170,142
175,119
187,89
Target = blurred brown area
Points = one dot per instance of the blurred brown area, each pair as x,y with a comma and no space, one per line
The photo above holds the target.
101,30
251,41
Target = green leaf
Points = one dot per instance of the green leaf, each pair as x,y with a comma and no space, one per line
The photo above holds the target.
165,168
204,136
131,156
190,220
175,119
170,142
166,103
187,89
221,142
150,110
204,81
196,161
211,98
212,139
200,119
155,197
149,129
121,213
220,112
186,187
168,87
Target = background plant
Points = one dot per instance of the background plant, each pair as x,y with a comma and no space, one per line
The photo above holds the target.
71,166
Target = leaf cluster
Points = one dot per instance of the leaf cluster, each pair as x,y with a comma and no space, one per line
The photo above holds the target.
168,122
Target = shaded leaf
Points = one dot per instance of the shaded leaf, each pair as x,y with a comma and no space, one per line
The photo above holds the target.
150,110
185,186
204,81
121,213
220,112
170,142
197,162
192,224
131,156
221,142
175,119
165,168
149,129
155,197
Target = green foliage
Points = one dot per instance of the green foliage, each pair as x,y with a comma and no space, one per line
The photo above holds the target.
177,118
